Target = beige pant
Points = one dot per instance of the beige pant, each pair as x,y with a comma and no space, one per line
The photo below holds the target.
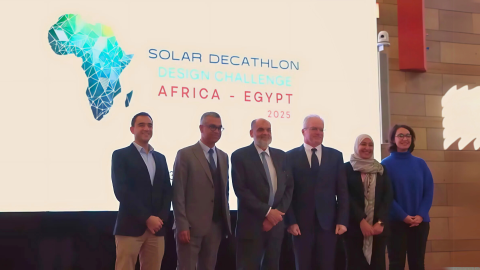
150,247
201,252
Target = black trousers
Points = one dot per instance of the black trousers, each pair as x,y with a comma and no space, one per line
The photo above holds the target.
258,253
315,250
356,259
405,240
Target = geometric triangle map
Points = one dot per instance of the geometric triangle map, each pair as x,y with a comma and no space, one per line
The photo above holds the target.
102,58
128,99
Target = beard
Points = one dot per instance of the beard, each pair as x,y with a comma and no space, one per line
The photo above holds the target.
263,143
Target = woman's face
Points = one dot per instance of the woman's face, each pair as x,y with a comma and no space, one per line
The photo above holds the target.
403,139
365,149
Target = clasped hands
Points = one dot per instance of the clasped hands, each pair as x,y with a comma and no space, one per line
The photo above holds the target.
369,230
272,219
154,224
413,220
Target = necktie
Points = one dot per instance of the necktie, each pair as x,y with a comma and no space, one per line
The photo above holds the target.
211,161
314,160
267,172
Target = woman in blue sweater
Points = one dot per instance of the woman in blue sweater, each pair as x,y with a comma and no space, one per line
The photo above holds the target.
412,185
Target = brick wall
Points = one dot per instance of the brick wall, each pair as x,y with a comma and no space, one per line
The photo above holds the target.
453,55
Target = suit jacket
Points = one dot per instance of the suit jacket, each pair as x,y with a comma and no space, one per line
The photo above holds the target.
383,200
138,198
252,189
323,192
194,191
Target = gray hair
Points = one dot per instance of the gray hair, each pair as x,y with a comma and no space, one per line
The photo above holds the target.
311,116
205,115
255,121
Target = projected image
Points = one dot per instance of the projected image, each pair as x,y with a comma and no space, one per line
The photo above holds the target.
87,71
102,58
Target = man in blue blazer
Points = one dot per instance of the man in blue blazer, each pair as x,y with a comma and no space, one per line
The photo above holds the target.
141,183
319,208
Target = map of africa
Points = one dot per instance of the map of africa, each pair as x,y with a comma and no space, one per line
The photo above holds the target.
102,58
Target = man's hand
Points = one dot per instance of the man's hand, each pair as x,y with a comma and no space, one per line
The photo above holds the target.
184,237
367,229
377,229
275,216
416,221
294,230
267,226
340,229
154,224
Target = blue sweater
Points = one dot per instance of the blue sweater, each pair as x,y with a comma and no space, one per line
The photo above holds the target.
412,184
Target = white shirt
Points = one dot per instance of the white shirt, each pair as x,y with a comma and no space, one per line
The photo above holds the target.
271,168
308,151
207,155
148,159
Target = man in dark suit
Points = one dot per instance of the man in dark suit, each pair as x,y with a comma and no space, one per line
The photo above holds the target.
319,209
141,183
200,198
264,191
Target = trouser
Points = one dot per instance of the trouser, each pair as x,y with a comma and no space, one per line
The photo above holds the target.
408,240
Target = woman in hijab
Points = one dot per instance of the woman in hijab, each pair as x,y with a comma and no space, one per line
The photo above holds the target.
370,199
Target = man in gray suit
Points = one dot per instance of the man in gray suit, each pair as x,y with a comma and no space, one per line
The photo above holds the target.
200,198
264,190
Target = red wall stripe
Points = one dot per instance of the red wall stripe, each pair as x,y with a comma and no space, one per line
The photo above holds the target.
411,36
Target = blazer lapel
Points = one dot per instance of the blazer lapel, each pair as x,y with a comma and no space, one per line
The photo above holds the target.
302,157
158,169
221,160
359,182
278,163
255,157
323,160
378,190
200,155
140,162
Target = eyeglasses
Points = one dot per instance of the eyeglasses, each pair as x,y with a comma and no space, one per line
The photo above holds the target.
401,136
214,128
315,129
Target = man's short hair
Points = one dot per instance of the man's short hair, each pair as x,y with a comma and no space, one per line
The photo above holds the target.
253,123
205,115
140,114
311,116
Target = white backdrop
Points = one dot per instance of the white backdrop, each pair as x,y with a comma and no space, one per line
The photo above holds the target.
57,157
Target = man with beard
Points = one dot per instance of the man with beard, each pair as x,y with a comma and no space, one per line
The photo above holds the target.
141,183
319,209
200,198
264,190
